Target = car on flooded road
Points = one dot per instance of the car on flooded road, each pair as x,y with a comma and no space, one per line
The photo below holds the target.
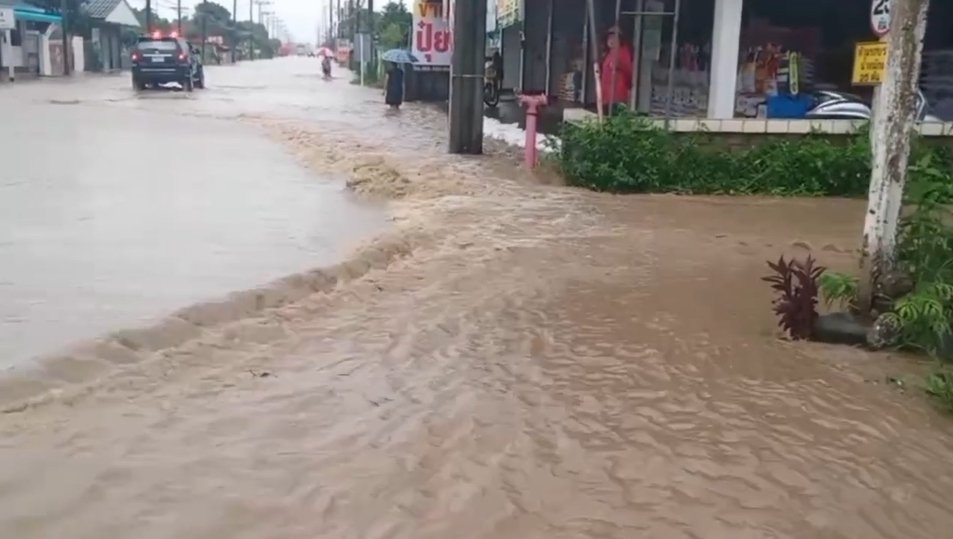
158,60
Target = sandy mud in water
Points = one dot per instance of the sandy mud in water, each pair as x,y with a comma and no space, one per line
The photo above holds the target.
512,361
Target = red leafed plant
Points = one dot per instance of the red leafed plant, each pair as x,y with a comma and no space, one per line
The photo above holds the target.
796,285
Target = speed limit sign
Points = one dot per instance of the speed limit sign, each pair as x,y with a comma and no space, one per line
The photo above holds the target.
880,17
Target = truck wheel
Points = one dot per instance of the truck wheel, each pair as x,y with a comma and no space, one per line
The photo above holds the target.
187,84
138,85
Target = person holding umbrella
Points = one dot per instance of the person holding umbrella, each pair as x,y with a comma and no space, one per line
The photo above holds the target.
394,81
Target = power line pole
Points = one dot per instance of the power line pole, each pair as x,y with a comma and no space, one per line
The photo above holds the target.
251,31
234,41
371,30
350,19
178,11
204,27
149,16
466,76
64,13
892,128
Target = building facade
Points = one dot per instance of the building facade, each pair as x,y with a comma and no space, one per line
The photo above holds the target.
708,59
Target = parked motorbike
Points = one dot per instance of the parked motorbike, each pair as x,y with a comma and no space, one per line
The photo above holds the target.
492,84
834,105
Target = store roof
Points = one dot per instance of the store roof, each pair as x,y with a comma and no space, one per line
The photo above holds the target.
112,11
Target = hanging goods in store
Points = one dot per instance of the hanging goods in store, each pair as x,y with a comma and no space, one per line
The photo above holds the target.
794,73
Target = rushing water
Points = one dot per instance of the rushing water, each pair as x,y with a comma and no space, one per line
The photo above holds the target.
512,360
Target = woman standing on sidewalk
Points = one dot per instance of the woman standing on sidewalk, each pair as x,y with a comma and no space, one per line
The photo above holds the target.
394,86
616,76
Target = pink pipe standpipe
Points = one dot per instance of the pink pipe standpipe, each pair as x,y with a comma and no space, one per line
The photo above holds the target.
532,104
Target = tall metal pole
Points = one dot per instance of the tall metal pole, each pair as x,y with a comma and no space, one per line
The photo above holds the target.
178,11
671,63
636,54
466,77
148,16
594,45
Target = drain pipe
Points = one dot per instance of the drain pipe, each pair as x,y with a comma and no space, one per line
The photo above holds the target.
532,103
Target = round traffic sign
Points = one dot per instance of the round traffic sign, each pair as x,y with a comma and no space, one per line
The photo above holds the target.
880,17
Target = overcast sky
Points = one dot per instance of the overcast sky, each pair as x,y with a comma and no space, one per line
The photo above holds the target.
301,17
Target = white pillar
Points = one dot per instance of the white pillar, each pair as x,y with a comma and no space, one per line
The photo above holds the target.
8,53
726,38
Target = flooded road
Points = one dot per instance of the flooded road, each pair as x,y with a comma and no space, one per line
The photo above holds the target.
113,217
507,360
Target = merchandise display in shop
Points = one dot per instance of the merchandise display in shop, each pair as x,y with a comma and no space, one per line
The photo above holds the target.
690,82
769,71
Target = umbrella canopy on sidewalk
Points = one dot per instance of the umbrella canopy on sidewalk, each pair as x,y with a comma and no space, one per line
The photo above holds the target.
324,51
399,56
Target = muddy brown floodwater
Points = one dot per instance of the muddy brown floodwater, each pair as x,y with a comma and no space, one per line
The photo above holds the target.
512,360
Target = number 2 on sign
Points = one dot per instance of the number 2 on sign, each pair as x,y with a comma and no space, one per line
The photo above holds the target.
881,7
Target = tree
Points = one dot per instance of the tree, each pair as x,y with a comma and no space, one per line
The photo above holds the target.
393,26
213,11
892,128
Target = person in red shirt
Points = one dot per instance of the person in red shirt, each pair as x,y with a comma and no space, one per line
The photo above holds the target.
617,59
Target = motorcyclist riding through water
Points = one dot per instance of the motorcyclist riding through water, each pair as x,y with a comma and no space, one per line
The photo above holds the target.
326,67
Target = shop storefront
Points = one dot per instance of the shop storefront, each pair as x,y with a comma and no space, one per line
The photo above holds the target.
717,59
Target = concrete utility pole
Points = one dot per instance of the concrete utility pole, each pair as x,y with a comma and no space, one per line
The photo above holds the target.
204,27
64,13
251,30
149,16
466,76
892,128
371,32
350,19
178,14
234,42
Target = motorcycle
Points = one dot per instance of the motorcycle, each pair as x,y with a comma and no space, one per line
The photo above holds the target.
834,105
491,84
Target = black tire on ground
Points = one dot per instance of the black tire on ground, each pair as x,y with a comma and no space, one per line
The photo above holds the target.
187,84
138,85
200,82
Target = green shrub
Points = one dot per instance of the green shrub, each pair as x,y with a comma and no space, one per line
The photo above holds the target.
939,386
628,154
838,289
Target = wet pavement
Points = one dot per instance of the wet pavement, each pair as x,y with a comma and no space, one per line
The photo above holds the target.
507,359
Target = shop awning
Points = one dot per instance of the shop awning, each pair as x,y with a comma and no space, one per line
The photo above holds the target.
23,11
36,17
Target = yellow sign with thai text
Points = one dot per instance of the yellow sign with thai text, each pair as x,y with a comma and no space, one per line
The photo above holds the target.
870,63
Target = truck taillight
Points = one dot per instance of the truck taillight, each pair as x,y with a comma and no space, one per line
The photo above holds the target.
135,57
182,56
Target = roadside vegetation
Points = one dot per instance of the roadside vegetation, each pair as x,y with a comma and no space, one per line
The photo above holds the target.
627,154
913,308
